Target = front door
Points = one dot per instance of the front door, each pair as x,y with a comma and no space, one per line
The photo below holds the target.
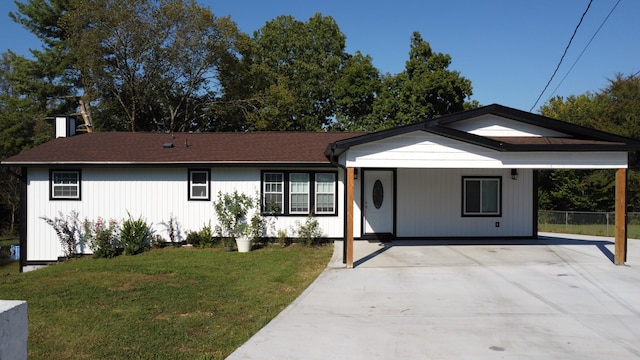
378,202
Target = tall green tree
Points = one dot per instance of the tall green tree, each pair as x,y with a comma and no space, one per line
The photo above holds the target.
355,91
427,88
613,109
153,63
292,67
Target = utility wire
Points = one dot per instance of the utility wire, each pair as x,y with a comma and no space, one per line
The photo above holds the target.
585,48
563,54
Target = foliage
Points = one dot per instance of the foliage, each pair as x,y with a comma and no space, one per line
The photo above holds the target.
150,61
172,227
203,238
257,227
231,210
102,237
310,232
68,229
135,236
613,109
424,90
183,302
283,239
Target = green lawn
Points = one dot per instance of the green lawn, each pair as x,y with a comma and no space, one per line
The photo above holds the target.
173,303
633,231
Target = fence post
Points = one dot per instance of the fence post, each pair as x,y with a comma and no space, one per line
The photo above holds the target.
566,220
607,231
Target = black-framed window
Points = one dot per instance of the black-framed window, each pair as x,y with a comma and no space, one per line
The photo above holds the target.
272,192
64,185
299,192
325,197
199,184
482,196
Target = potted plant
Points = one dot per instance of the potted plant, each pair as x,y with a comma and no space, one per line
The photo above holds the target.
232,210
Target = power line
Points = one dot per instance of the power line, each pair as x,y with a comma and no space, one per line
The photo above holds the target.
585,48
563,54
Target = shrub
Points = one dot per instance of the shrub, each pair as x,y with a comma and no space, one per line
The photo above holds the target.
103,238
310,231
135,236
232,210
67,228
282,238
193,238
172,227
206,236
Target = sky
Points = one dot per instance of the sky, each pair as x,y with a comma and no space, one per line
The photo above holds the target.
509,49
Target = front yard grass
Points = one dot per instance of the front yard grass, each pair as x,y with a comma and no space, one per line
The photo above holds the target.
172,303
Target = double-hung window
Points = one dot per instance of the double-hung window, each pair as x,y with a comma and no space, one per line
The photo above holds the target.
64,184
325,193
199,185
299,193
481,196
273,192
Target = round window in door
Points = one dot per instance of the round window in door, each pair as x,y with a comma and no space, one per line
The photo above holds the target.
378,194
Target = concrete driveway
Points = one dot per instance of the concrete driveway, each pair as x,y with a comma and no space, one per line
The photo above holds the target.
559,297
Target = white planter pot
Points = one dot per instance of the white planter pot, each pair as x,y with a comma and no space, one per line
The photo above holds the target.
244,244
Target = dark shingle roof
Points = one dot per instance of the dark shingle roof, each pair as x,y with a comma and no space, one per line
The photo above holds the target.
147,148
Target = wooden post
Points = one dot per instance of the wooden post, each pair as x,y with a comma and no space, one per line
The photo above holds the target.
621,217
86,116
349,235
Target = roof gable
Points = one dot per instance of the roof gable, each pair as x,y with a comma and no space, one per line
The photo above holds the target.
552,135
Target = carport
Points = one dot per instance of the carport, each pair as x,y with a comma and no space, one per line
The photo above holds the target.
468,175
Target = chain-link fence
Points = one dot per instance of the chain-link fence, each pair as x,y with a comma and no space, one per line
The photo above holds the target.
588,223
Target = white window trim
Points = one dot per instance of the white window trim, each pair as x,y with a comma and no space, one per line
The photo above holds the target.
333,194
291,193
54,185
482,179
207,185
265,192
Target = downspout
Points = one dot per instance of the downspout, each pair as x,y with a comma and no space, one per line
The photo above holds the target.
344,210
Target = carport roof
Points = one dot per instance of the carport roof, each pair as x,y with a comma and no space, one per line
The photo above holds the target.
578,138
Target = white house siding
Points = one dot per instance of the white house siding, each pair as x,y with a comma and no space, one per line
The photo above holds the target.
155,194
492,125
429,203
425,150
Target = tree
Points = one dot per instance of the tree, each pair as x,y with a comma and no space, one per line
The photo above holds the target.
355,91
613,109
291,67
153,62
424,90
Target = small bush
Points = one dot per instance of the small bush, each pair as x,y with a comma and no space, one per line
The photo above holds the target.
172,227
103,238
207,236
310,232
67,228
282,238
135,236
193,238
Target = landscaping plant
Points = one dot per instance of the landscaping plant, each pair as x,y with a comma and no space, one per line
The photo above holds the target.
103,238
135,236
67,228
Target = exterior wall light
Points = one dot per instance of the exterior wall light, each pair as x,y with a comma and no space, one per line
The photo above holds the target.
514,174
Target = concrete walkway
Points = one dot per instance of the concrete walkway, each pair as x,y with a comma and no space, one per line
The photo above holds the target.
559,297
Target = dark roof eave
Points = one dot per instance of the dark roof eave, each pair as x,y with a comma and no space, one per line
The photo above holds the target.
168,164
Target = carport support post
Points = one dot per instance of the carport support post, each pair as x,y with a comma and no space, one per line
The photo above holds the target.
349,235
621,217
